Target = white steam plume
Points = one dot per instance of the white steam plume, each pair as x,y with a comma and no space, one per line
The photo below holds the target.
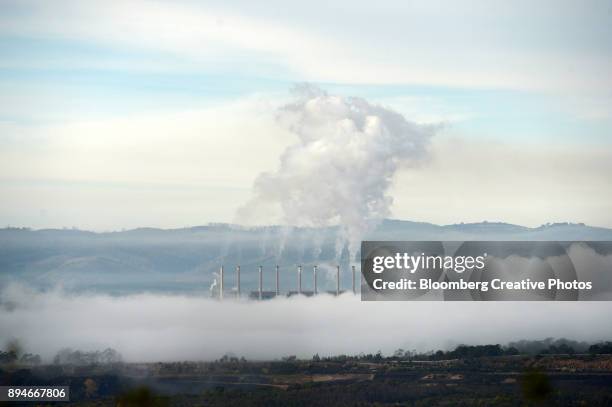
340,169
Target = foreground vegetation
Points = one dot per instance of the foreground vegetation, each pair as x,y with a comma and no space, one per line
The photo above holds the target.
489,375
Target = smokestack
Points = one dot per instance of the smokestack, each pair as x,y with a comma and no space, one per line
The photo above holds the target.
353,268
314,274
221,283
299,279
238,281
277,282
338,280
260,282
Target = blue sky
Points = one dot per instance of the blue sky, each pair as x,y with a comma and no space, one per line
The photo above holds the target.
526,76
553,73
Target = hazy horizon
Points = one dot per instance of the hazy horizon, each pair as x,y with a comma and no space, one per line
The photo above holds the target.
259,226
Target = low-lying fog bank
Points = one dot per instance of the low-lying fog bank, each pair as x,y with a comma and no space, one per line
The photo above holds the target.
152,327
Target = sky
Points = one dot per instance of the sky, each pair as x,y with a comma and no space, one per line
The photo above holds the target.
121,114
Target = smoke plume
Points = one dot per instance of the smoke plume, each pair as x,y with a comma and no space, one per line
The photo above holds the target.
341,167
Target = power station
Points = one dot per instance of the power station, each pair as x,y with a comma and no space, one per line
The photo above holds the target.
261,294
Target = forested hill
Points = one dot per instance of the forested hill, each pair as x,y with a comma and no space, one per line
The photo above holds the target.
184,260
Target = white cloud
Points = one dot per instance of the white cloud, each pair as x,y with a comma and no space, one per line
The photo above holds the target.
215,146
165,170
526,183
472,44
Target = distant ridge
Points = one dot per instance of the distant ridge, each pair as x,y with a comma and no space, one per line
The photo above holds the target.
185,259
386,224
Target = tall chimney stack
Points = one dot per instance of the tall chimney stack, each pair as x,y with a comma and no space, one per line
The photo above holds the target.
221,283
314,274
260,282
277,282
338,280
353,268
299,279
238,281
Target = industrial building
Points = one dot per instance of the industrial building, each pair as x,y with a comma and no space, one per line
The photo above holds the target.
261,294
